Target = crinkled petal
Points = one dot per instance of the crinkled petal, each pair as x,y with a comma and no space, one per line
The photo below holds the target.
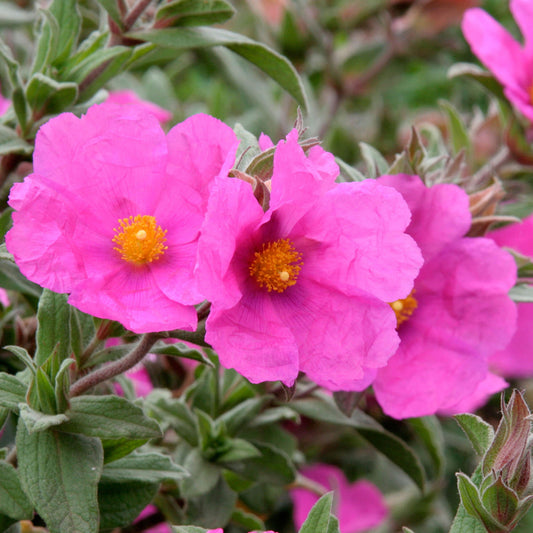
41,237
495,48
424,377
521,99
341,338
199,149
430,207
252,339
265,142
489,386
462,296
359,506
360,227
232,217
298,181
131,296
113,151
516,359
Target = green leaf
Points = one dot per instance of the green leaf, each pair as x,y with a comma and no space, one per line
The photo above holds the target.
13,501
93,72
117,448
500,501
243,413
6,522
47,95
36,421
111,6
60,472
10,276
143,467
109,417
376,164
11,143
429,430
188,529
177,414
204,475
194,12
47,43
471,500
23,355
458,132
82,331
121,503
68,18
479,432
11,15
45,393
479,74
348,172
272,466
273,64
319,517
237,450
181,350
20,106
53,318
248,521
323,408
12,392
522,292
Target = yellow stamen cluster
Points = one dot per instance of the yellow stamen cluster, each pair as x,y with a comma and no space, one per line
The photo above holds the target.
139,240
276,266
404,308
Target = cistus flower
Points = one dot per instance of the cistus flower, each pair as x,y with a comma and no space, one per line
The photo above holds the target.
359,506
113,209
510,62
516,359
459,312
303,286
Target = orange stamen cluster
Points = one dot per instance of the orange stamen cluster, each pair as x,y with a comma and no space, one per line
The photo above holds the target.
404,308
276,266
139,240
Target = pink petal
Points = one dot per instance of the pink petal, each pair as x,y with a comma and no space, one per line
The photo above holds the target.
252,339
298,181
359,506
462,296
479,397
496,48
361,228
265,142
233,216
522,11
516,359
132,297
425,377
341,338
430,206
519,236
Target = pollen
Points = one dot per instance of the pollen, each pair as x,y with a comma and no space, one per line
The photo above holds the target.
277,266
139,240
404,308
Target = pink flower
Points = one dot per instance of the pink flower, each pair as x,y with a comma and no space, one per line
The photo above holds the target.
359,506
303,286
459,312
113,209
129,97
516,359
5,104
220,530
511,63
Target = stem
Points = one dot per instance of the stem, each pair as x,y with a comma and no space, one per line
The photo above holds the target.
196,337
118,367
302,482
137,10
490,168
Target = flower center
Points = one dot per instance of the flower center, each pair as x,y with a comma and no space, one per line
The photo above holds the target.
139,240
404,308
276,266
